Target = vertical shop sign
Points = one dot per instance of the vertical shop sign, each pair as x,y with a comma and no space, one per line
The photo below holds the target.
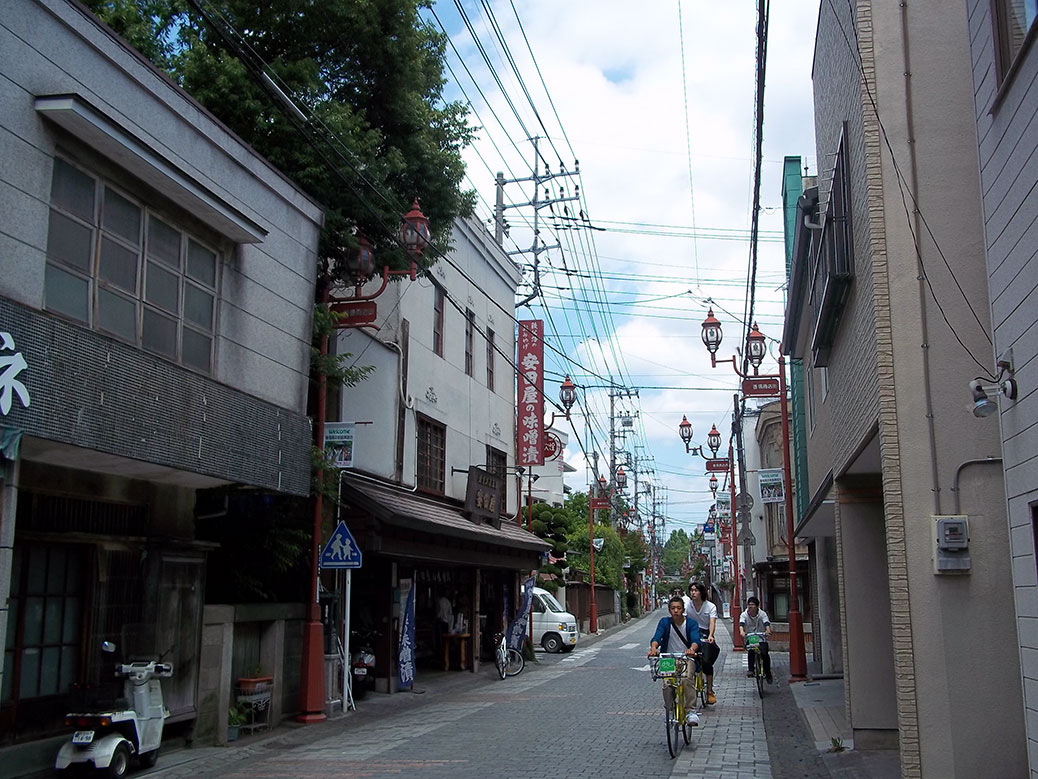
406,667
517,630
10,367
530,423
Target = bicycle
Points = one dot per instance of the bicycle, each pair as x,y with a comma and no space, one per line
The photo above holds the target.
699,682
753,645
509,662
669,667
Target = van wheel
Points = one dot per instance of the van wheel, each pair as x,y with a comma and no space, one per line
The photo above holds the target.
148,759
567,648
552,643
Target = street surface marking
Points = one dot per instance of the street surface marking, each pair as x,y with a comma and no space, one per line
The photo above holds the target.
630,646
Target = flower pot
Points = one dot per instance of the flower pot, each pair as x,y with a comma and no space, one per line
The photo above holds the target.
232,732
253,684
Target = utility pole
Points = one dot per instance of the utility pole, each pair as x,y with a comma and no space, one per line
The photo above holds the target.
538,180
742,511
615,393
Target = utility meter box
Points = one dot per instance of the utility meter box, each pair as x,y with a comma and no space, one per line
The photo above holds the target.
951,552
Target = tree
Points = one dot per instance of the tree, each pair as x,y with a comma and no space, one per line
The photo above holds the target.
675,552
371,74
553,524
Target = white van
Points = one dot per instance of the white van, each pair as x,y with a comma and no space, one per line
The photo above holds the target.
554,628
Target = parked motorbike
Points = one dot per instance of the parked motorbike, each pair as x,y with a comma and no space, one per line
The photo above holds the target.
110,731
362,663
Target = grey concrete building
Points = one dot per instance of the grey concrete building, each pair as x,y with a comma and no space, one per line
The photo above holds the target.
888,312
1005,66
156,288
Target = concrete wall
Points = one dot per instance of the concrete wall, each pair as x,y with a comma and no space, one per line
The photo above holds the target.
1007,141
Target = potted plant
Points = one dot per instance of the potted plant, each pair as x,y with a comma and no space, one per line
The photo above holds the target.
254,680
237,716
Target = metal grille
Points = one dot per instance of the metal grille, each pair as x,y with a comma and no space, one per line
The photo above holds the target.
44,513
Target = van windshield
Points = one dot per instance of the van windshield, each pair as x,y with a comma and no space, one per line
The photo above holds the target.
551,603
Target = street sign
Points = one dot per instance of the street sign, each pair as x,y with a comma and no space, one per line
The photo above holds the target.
341,551
746,536
552,446
758,387
718,465
744,501
599,503
354,314
598,543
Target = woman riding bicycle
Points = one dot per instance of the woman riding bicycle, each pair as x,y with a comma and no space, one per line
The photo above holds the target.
755,622
705,614
677,631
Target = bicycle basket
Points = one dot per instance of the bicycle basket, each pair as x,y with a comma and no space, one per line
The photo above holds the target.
752,640
665,666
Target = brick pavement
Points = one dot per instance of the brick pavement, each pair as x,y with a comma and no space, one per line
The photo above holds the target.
592,713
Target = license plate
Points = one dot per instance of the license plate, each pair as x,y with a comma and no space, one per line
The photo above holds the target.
360,671
83,737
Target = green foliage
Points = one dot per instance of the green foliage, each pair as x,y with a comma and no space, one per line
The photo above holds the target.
608,561
675,552
372,72
635,548
238,715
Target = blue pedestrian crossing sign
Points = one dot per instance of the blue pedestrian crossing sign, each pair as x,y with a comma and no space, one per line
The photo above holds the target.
341,551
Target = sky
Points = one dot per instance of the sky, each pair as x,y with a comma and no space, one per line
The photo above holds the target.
656,101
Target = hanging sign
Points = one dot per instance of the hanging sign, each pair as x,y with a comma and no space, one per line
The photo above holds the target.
757,387
772,486
530,416
355,314
552,446
338,442
718,465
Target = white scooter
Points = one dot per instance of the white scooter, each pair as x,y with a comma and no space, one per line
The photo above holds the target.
107,736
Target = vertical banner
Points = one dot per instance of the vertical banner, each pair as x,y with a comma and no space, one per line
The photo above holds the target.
530,416
772,485
517,630
405,668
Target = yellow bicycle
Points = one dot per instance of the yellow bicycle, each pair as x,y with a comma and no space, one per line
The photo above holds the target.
670,667
753,645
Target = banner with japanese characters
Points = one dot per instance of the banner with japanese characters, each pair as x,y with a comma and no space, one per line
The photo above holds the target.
530,416
517,630
406,667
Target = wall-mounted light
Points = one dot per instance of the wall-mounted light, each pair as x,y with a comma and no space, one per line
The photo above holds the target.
985,395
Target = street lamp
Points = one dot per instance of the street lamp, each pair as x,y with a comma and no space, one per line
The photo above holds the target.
621,478
756,349
414,235
713,486
713,440
685,431
593,503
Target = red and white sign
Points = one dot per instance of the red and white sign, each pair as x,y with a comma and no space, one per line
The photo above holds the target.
758,387
530,422
354,314
552,446
718,465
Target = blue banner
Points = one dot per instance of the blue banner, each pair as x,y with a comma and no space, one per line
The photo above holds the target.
517,630
405,668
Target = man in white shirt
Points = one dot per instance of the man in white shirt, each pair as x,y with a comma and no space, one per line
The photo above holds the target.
755,622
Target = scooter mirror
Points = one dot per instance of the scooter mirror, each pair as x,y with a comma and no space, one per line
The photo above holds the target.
107,646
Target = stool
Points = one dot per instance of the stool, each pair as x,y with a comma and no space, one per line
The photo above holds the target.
461,639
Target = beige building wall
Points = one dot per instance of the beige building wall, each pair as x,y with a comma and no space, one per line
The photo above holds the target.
910,338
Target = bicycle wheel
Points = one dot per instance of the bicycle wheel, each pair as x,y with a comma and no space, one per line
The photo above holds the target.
672,732
701,688
500,658
760,677
515,664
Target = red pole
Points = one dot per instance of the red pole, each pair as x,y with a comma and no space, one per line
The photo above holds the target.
735,609
311,672
797,653
592,623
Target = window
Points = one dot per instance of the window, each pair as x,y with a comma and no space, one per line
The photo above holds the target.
119,267
1013,20
497,461
834,263
432,446
470,328
490,360
438,322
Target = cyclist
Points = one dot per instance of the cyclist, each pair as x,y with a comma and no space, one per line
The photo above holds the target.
678,631
755,622
705,614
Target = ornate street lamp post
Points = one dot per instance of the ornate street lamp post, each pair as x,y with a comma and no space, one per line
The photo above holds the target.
756,350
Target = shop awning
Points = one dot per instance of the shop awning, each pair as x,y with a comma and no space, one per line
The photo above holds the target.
405,509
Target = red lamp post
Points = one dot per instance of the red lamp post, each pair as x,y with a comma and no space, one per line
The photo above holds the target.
414,235
601,502
756,349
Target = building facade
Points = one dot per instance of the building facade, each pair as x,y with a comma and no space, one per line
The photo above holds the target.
433,427
1004,61
887,313
155,315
